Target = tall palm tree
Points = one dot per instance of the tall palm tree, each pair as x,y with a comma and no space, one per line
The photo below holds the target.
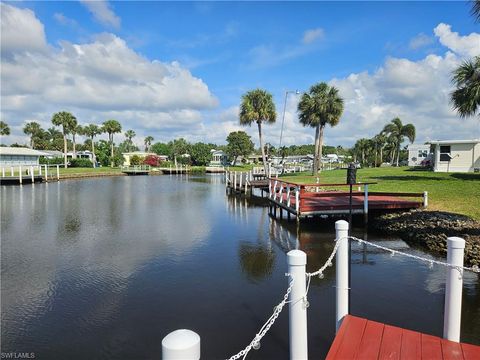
91,131
130,134
466,78
67,121
380,141
33,129
4,128
77,129
257,106
148,142
397,132
475,11
111,127
322,105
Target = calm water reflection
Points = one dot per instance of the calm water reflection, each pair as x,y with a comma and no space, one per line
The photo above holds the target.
105,268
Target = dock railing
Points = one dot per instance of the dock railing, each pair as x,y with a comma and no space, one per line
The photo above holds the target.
290,195
238,180
30,172
185,344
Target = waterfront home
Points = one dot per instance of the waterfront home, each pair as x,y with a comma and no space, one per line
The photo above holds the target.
52,154
17,156
417,153
456,155
219,158
81,155
141,154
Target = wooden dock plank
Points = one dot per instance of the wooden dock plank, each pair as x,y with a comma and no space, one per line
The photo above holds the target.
391,343
411,345
360,338
352,338
471,352
431,347
371,341
451,350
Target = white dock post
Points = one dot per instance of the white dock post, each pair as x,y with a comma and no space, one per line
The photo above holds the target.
235,180
32,175
181,344
341,229
453,292
20,174
297,199
365,203
58,172
241,178
297,260
11,171
425,199
46,172
3,172
40,170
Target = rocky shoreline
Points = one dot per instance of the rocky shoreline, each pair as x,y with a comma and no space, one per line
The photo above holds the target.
430,229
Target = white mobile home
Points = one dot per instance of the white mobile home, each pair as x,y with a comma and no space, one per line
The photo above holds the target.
456,155
15,157
417,153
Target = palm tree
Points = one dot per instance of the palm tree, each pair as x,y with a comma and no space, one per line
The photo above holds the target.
148,142
475,11
4,128
67,121
466,97
257,106
130,134
397,131
77,129
111,127
321,106
91,131
380,141
33,129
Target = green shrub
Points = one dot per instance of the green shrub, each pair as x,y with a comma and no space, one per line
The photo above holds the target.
84,163
54,161
136,160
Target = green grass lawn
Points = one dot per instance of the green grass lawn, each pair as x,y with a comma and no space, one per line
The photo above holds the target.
454,192
72,171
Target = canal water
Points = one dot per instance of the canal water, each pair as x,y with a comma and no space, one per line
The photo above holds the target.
105,268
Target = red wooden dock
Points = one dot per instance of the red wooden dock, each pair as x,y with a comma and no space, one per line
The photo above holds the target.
360,338
304,200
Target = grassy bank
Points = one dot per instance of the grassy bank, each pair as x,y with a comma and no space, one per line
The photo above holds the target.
452,192
92,171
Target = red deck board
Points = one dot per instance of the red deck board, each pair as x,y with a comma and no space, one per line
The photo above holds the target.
364,339
371,340
411,345
451,350
391,343
431,347
471,352
351,338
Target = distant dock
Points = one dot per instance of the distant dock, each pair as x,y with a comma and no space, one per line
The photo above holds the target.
136,170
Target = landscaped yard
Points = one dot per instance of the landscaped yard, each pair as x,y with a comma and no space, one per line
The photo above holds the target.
453,192
78,171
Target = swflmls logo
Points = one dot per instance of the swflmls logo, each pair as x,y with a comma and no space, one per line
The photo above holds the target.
15,355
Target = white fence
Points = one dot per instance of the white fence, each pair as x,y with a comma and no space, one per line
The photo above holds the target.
178,345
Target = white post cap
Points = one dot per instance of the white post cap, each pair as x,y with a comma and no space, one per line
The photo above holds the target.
296,257
455,242
341,225
181,344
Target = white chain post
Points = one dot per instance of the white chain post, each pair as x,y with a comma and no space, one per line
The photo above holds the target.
297,261
453,291
181,344
341,229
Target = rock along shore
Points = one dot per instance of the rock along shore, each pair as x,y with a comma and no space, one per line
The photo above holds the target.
430,229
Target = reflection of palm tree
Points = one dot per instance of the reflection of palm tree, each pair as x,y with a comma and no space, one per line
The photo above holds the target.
256,261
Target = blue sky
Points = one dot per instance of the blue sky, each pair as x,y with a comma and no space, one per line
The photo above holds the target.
172,69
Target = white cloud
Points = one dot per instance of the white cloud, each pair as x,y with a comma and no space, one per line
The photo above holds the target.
463,45
64,20
96,80
312,35
419,41
20,31
102,12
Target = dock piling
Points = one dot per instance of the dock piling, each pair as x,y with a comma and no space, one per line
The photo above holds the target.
425,199
342,285
298,305
181,344
58,172
20,175
453,291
